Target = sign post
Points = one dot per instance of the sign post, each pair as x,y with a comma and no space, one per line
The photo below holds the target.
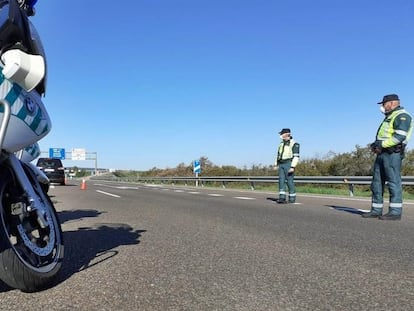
196,169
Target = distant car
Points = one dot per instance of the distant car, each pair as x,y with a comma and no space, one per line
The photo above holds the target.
53,169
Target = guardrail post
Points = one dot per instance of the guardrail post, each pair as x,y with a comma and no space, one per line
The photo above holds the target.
351,190
252,185
224,184
350,187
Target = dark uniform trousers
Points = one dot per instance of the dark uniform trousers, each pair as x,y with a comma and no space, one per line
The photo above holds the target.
387,171
286,178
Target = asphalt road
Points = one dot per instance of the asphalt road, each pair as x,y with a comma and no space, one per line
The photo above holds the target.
140,247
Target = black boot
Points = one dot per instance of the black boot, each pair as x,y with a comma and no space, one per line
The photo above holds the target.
281,201
389,216
371,214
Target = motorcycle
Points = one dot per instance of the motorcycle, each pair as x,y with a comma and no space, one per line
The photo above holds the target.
31,239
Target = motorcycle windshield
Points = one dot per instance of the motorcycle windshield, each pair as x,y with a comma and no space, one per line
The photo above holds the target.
38,49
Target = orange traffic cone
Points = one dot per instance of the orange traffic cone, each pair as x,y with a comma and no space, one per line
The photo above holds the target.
83,185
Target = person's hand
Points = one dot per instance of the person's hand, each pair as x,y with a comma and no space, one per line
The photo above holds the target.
291,170
376,147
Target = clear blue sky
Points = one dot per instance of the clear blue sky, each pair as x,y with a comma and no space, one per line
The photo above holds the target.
155,83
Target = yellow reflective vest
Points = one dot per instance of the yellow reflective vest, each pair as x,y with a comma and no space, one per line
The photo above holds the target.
392,134
288,150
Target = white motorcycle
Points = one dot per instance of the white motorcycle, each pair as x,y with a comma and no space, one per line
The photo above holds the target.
31,240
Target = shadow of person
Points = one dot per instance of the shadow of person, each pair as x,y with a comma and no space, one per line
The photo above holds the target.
347,209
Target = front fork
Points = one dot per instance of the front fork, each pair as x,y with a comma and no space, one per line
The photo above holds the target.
34,203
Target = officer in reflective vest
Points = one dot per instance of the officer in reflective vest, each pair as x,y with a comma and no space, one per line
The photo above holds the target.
392,137
286,160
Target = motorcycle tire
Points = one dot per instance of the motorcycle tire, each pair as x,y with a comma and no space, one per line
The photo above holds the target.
31,255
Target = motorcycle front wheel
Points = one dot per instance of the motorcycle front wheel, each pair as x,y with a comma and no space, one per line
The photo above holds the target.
31,251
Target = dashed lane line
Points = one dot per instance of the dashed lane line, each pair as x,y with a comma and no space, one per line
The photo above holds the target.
107,193
179,191
117,187
209,194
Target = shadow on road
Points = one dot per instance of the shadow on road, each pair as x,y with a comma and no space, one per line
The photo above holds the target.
346,209
65,216
89,246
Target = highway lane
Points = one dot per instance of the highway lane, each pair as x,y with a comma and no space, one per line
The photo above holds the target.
136,247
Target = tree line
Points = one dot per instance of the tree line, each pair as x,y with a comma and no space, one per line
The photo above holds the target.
358,162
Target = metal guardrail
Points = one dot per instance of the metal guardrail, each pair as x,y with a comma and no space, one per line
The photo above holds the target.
201,180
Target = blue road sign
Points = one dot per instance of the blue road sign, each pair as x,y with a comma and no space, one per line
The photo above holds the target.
57,153
197,166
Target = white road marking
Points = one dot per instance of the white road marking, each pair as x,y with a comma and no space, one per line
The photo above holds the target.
178,191
215,195
107,193
244,198
194,192
117,187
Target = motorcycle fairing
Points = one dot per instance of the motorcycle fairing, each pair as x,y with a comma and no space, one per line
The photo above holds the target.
29,121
